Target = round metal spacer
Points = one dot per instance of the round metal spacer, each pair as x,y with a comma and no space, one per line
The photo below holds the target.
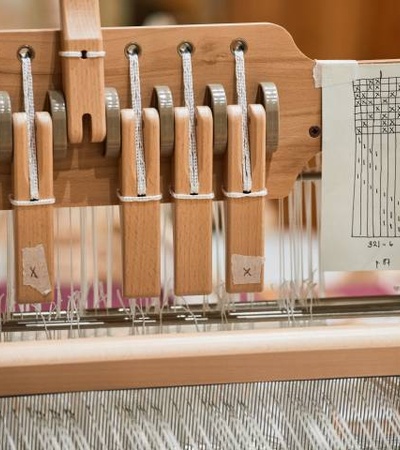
58,112
268,96
112,146
6,136
162,100
215,98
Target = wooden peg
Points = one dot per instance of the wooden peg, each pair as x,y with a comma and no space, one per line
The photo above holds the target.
33,225
83,68
193,218
245,215
140,220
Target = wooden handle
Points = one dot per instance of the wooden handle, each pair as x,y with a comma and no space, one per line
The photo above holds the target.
140,221
33,225
183,359
193,218
245,216
83,77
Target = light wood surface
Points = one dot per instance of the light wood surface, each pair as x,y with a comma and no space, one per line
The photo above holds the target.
245,217
140,221
193,218
202,358
83,78
85,177
33,225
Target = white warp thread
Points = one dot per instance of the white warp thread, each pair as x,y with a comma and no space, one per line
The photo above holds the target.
189,103
137,108
29,107
242,102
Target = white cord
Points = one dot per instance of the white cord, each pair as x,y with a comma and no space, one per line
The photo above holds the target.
139,199
83,55
262,193
38,202
178,196
189,103
29,107
136,99
242,102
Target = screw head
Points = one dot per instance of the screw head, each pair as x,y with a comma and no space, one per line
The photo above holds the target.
315,131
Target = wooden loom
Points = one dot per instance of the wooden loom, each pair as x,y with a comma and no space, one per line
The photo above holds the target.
84,176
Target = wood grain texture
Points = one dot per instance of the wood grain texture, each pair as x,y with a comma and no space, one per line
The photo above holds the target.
200,358
245,217
33,225
85,177
83,78
140,222
193,218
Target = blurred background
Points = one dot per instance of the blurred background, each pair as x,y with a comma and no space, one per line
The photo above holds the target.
322,29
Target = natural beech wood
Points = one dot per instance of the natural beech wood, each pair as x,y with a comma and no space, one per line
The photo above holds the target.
85,177
245,217
202,358
140,221
33,225
193,218
83,78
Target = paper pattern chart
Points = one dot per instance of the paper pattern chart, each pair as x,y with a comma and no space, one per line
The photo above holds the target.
361,166
376,201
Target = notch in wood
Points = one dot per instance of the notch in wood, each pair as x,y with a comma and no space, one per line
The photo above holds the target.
140,220
245,216
193,217
33,225
82,59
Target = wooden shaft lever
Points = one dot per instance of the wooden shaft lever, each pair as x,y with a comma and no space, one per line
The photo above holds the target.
33,225
140,220
83,68
193,217
245,215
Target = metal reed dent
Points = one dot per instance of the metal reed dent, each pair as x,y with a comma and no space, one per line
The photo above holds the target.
270,415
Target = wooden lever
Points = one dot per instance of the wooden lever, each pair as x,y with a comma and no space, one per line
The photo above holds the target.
83,68
193,218
245,216
140,221
33,225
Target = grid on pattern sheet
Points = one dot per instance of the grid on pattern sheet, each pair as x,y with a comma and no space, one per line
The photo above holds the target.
376,199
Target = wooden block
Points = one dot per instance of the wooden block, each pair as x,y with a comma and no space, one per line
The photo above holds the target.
83,76
245,216
193,218
33,225
140,221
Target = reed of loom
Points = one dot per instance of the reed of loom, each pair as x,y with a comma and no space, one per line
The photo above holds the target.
84,176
